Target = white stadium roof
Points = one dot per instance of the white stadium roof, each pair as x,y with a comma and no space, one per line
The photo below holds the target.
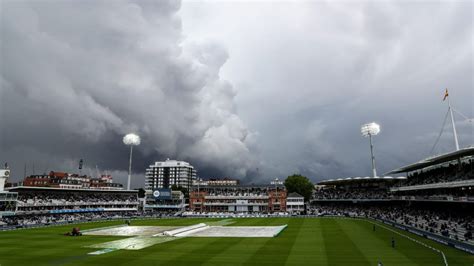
435,160
360,179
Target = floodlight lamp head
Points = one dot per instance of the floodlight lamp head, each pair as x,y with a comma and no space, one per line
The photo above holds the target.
131,139
370,129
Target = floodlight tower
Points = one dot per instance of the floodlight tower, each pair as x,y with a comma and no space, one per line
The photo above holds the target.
369,130
131,140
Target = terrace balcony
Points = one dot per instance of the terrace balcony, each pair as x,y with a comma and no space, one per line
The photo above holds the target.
237,197
453,184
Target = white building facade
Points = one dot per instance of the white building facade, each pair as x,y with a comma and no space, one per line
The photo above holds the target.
8,200
168,173
295,203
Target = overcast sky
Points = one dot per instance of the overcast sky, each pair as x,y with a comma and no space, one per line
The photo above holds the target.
251,90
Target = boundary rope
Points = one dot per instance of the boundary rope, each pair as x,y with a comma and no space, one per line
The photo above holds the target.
412,239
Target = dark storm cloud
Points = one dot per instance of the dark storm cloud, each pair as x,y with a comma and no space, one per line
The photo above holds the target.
310,73
78,75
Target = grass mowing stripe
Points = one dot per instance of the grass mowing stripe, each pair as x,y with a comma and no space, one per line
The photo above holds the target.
445,262
205,252
340,249
302,242
277,249
376,246
404,245
321,243
382,238
309,245
294,256
236,251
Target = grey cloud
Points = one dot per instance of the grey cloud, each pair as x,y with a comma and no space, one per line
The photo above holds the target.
76,76
343,64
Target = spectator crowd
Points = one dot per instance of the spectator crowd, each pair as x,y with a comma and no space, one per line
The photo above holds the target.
443,174
458,226
49,219
339,193
77,198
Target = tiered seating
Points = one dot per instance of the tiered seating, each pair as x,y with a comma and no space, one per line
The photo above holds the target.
458,227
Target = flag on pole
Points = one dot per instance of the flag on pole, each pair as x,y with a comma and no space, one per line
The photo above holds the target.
446,94
80,164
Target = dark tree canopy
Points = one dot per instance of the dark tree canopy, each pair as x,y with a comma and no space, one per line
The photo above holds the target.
299,184
180,188
141,193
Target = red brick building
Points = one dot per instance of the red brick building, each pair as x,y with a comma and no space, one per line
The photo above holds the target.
71,181
238,199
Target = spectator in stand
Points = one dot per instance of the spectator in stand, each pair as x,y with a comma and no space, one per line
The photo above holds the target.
449,173
441,222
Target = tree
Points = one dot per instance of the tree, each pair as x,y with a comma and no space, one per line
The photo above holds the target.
141,193
182,189
299,184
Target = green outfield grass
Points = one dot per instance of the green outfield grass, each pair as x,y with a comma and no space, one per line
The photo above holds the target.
306,241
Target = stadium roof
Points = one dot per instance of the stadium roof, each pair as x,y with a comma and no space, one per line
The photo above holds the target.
18,188
359,179
431,161
294,195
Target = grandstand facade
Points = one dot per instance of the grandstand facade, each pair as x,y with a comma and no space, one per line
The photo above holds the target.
295,203
165,200
238,199
70,181
44,200
60,197
435,198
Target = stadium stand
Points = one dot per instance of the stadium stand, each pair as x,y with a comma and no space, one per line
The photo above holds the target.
56,200
448,221
435,197
448,177
442,174
351,194
35,220
46,205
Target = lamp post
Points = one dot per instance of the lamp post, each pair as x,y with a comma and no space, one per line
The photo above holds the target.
131,140
369,130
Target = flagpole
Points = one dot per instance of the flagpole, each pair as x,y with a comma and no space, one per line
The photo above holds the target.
452,123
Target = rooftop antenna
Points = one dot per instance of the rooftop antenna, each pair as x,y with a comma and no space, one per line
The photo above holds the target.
456,143
369,130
